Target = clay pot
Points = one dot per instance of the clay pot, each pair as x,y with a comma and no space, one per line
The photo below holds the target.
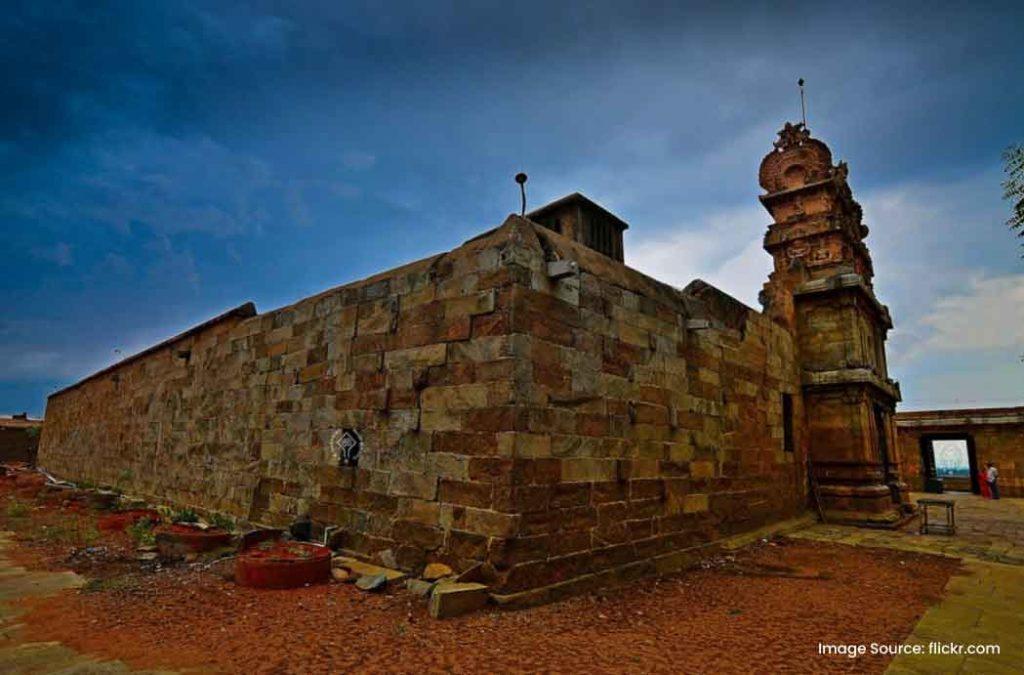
177,541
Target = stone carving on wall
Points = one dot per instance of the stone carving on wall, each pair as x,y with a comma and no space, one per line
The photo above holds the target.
345,445
822,255
798,249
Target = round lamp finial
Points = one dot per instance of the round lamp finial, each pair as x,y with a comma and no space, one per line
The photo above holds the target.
521,179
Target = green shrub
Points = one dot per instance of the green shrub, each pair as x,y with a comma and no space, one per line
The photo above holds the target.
141,532
222,521
185,516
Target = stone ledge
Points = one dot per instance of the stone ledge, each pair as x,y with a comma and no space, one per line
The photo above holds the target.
830,378
848,281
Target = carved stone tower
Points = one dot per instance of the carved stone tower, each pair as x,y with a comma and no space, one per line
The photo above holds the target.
821,290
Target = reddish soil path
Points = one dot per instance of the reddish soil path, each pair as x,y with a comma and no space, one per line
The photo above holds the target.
730,617
713,620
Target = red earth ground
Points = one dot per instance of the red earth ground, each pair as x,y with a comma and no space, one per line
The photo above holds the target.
765,610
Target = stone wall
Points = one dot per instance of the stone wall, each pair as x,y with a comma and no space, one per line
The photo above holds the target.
553,426
239,416
994,434
653,419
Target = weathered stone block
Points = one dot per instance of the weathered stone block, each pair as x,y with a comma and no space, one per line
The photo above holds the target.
417,357
466,493
406,484
591,470
440,420
702,469
491,523
461,397
480,303
695,503
455,599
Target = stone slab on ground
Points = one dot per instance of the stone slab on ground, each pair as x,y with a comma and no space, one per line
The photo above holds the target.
360,568
982,607
987,531
454,599
372,582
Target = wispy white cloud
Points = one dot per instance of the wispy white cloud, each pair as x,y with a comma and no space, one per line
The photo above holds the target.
988,314
22,362
931,241
723,249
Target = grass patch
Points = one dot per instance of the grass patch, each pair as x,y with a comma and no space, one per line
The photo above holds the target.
226,523
16,508
141,532
185,516
71,532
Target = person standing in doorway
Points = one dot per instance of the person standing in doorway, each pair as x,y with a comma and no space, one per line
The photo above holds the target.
983,484
992,478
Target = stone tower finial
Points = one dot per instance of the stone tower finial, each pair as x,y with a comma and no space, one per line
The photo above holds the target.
792,135
817,230
796,160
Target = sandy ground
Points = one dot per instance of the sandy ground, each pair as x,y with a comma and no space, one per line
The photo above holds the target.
765,610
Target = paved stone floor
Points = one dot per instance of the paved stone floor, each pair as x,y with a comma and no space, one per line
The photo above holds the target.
987,530
19,656
982,606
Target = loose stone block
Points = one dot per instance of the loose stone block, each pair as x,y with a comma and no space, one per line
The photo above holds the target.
455,599
435,571
358,568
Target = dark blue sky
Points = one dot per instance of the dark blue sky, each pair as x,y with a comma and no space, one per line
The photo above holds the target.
163,163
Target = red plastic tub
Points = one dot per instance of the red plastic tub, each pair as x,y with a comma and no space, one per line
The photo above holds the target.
283,564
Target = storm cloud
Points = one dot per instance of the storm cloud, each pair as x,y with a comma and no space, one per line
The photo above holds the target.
161,162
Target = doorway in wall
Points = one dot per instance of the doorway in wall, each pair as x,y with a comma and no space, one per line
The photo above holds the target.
949,460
